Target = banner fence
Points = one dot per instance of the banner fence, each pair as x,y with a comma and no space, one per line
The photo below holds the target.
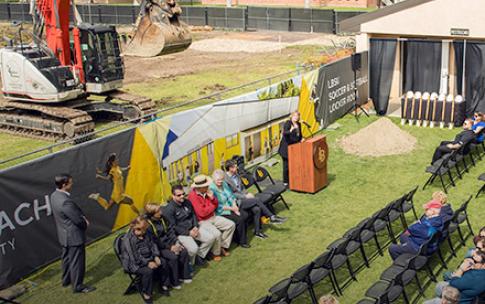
245,18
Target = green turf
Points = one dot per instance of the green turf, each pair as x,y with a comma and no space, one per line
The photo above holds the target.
358,187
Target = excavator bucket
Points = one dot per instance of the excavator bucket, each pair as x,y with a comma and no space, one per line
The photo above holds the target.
157,34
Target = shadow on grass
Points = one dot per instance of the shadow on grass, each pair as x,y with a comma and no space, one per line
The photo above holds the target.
103,268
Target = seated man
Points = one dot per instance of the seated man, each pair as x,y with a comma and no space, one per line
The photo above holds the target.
416,234
469,279
205,204
463,137
171,249
181,215
446,211
140,255
449,295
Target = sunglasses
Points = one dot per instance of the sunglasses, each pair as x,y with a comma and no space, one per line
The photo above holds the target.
180,194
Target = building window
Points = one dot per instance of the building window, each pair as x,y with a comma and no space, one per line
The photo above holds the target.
232,140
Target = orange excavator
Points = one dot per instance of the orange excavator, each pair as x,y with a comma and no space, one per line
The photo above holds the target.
49,85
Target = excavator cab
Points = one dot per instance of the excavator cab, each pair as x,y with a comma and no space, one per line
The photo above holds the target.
158,30
101,57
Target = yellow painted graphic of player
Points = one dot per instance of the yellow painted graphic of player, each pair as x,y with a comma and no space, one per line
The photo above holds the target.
113,173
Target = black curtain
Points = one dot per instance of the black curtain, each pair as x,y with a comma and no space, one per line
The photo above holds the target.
422,65
474,93
382,58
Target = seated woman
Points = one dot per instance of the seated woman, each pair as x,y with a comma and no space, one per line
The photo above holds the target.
229,208
142,256
416,234
175,255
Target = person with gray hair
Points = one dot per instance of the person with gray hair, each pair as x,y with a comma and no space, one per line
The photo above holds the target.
229,208
449,295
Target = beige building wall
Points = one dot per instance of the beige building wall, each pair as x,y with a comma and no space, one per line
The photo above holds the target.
434,18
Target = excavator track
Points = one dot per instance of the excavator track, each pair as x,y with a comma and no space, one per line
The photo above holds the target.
44,122
144,106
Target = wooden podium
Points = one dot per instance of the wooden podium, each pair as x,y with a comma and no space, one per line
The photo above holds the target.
307,164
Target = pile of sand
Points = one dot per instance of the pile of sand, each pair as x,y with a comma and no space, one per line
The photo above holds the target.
380,138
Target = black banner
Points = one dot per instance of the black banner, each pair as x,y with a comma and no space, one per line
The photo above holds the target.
28,238
336,88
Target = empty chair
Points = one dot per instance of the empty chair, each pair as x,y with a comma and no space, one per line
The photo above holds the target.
276,189
460,218
300,282
417,261
408,205
340,258
248,181
263,300
135,279
385,292
279,292
322,269
439,169
381,222
355,243
481,178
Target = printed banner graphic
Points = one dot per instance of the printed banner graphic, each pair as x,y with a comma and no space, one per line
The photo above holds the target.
115,176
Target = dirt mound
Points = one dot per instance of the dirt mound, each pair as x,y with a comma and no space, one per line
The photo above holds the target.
380,138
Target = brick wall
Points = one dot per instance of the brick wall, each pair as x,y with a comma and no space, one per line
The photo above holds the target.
298,3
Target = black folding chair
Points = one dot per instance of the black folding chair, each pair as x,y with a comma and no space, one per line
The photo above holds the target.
279,292
354,242
263,300
386,292
322,269
382,222
276,189
407,276
439,169
135,280
460,217
408,205
300,282
248,181
481,178
416,261
338,259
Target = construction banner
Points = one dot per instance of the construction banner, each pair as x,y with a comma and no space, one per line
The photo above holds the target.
336,89
28,238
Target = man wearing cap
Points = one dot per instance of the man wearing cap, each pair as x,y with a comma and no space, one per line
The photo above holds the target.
205,203
462,138
419,232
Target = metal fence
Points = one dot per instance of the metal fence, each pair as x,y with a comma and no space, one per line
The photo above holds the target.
245,18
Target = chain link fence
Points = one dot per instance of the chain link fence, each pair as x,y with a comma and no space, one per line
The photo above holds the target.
245,18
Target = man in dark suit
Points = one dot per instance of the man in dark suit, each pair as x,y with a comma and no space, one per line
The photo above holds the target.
461,139
291,134
71,230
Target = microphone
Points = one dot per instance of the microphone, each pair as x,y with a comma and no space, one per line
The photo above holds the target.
308,126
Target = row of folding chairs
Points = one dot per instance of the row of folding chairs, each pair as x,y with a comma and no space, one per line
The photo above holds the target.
404,270
454,160
338,254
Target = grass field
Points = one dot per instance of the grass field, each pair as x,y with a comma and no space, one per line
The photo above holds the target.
358,187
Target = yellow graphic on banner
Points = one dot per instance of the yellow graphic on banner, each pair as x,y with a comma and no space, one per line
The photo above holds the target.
143,183
306,106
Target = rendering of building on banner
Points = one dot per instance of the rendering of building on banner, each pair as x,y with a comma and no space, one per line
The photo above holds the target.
429,71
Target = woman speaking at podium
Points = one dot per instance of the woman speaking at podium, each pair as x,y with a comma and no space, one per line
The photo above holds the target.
291,135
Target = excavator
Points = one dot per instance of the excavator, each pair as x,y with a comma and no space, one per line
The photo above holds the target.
68,76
